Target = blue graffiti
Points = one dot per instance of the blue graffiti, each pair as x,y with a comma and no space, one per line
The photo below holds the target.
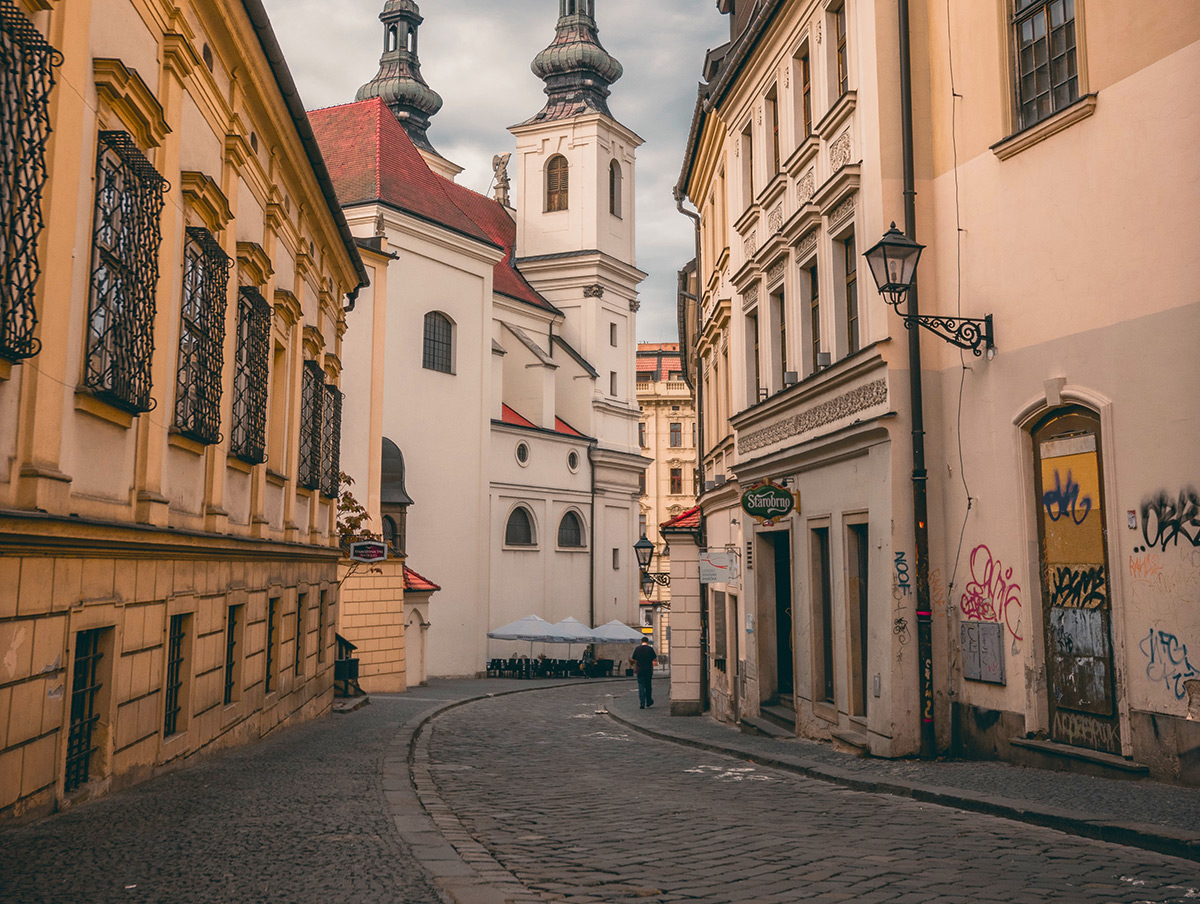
1063,501
1168,661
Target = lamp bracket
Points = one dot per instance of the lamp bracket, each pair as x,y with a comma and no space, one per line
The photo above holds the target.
662,578
973,334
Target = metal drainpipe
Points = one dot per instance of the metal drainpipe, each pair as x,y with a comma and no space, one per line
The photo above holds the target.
919,474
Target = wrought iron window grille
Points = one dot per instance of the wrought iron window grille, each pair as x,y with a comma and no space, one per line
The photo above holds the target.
173,706
125,243
201,337
331,442
84,716
311,403
27,64
248,435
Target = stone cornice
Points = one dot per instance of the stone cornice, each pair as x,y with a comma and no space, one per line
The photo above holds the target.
122,90
254,263
205,197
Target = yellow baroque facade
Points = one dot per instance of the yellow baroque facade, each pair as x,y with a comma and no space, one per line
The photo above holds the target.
170,329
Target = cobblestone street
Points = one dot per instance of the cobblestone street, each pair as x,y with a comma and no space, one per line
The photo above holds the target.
541,797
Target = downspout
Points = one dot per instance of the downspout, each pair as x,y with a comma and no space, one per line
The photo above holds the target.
592,545
919,474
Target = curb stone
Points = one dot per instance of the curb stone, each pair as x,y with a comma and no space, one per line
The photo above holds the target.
1159,839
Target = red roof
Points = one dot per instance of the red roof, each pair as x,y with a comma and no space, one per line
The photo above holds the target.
672,365
658,346
563,427
647,365
508,416
371,158
689,520
414,583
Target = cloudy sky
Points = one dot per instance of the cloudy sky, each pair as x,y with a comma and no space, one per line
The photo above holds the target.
476,54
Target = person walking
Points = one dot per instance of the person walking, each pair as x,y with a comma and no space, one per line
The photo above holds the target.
643,660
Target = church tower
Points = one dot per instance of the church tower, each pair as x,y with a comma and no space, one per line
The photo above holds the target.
400,83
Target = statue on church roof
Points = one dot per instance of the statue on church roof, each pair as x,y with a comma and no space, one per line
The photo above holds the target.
501,180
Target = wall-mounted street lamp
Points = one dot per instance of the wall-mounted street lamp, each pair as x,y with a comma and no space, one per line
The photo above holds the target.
893,262
644,550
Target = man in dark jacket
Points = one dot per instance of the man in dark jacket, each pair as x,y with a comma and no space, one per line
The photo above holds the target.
643,660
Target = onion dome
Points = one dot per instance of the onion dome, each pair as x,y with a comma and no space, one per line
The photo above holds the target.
399,82
577,70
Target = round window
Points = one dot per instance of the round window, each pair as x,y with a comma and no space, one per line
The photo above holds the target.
573,461
523,453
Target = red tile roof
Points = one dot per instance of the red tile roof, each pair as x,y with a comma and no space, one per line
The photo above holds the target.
371,158
672,365
563,427
689,520
508,416
647,365
414,583
658,346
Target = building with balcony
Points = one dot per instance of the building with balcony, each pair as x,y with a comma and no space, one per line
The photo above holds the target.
177,273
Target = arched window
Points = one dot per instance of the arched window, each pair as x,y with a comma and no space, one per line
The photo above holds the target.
614,188
391,39
556,183
519,530
570,531
439,343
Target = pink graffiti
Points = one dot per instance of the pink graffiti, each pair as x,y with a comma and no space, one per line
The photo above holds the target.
1146,566
991,595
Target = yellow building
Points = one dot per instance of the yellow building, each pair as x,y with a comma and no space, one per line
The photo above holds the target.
169,365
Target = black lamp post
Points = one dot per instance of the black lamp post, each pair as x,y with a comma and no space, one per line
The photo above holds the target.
893,262
644,550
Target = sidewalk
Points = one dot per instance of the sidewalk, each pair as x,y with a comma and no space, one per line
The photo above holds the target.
1144,814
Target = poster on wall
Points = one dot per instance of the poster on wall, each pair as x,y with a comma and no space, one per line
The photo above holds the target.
718,566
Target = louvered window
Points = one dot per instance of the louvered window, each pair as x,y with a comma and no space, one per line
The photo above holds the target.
557,183
125,241
331,441
249,431
201,337
26,76
311,399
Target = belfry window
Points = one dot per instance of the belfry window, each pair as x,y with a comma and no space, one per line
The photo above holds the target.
249,432
125,241
557,183
28,62
614,188
201,337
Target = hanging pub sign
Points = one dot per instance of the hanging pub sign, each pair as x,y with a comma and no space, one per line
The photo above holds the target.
368,551
767,502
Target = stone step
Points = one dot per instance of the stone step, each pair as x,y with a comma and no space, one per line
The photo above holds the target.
782,716
851,742
756,726
1102,763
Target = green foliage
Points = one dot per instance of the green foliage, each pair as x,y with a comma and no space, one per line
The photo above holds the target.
353,517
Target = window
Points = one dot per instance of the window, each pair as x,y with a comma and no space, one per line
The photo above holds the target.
748,164
843,70
777,301
175,675
614,189
752,341
823,613
557,183
28,64
616,558
248,435
519,530
612,335
331,442
301,625
805,93
201,337
272,648
612,382
125,242
438,352
814,315
393,499
1047,69
676,481
322,617
86,687
773,125
233,653
570,531
852,338
312,395
523,453
857,552
642,525
642,434
676,435
642,483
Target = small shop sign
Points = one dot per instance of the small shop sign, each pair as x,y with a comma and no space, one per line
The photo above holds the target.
368,551
767,502
718,566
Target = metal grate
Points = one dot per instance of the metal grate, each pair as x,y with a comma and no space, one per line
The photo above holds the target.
311,397
272,631
26,77
249,432
126,237
201,337
331,442
84,688
174,675
231,651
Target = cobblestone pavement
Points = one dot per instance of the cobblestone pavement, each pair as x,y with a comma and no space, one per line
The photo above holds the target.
583,810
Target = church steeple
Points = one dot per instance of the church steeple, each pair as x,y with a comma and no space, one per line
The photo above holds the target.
399,80
577,70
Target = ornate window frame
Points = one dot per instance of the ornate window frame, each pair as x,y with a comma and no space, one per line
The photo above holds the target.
201,337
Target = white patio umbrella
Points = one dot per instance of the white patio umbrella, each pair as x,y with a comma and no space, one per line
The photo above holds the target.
532,628
571,631
616,632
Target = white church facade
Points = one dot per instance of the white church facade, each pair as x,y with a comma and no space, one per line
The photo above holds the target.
498,354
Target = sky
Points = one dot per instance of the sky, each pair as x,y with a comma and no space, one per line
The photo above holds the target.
476,55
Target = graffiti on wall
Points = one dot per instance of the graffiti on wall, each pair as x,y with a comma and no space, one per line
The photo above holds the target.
1083,730
1168,661
1064,500
901,591
1171,520
937,591
992,595
1078,586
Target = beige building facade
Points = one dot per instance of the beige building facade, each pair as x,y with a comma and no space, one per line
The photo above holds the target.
169,369
1063,531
